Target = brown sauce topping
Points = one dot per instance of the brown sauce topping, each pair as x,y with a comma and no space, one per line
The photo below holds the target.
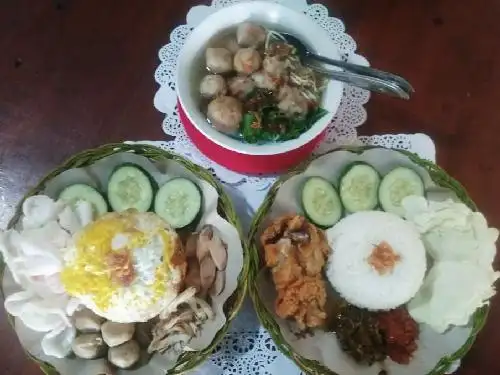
383,258
121,267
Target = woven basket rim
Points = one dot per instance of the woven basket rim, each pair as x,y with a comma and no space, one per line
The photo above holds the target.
437,174
188,360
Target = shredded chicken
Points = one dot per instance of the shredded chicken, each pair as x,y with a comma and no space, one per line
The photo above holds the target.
296,252
179,322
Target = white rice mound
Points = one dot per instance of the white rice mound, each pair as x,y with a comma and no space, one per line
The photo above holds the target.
353,239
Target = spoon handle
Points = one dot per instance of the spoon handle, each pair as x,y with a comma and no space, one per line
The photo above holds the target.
365,82
364,70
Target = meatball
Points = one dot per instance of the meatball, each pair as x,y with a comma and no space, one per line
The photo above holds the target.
219,60
250,35
212,85
292,102
247,61
225,114
241,87
264,81
273,66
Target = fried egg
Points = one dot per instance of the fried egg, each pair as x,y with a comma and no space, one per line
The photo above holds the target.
126,267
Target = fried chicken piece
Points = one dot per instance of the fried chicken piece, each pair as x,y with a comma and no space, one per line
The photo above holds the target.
296,223
309,242
274,232
296,252
275,252
312,255
280,257
304,300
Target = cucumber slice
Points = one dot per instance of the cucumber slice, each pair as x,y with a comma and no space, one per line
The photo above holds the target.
358,187
178,202
81,192
130,186
321,202
396,185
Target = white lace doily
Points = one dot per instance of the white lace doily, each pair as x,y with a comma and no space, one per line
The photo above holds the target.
350,115
247,348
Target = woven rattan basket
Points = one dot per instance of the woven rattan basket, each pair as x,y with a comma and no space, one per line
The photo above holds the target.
438,175
188,360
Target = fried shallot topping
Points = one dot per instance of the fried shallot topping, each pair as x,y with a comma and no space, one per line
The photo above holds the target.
121,267
383,258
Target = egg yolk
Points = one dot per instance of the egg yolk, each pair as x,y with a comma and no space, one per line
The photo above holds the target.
94,272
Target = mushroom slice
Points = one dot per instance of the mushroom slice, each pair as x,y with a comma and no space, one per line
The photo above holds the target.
218,251
176,330
163,344
181,298
185,316
191,245
202,309
204,241
194,327
163,327
193,274
219,283
179,328
207,273
186,327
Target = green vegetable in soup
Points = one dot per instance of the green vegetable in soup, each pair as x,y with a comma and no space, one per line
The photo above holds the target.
316,115
250,128
269,124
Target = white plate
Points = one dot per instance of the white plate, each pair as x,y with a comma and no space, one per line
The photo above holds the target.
324,346
97,175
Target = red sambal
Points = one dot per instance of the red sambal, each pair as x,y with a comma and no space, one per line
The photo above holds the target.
400,332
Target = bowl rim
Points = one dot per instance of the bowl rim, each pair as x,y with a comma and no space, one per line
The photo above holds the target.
188,360
322,41
309,366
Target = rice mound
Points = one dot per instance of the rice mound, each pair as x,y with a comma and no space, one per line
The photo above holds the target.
353,240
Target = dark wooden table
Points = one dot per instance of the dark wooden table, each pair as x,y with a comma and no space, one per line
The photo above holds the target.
76,74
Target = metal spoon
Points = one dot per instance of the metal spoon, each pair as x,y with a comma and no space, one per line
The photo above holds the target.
356,75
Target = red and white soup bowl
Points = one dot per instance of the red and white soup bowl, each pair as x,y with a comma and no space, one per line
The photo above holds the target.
229,152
